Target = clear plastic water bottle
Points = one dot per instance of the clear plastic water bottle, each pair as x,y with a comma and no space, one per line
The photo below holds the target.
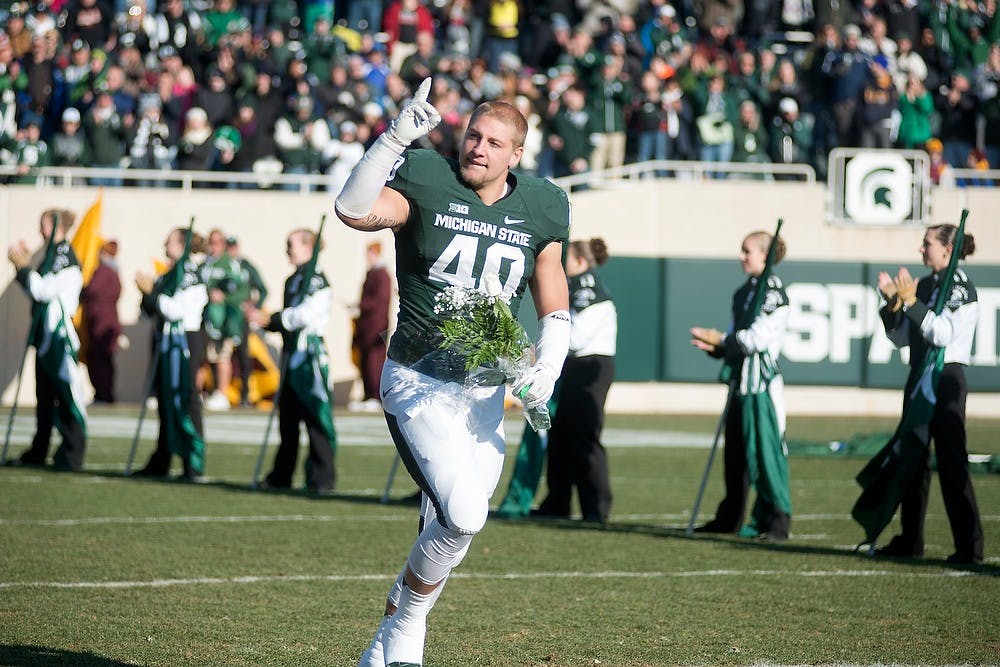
538,417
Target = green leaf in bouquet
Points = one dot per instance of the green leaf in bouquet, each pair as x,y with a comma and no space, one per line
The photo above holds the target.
485,334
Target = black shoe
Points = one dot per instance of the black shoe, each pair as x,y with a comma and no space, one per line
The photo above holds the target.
899,548
267,485
29,458
191,478
963,559
774,536
715,527
319,491
150,472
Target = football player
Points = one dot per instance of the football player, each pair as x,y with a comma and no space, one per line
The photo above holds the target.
456,223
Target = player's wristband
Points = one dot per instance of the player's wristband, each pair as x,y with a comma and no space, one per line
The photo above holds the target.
552,342
357,199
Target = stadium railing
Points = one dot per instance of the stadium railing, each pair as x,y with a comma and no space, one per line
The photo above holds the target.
187,180
68,177
304,183
687,170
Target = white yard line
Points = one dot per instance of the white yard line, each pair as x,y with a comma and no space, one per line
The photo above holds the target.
352,431
262,518
623,521
510,576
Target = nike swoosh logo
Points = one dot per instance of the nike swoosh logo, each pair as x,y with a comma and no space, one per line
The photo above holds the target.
507,220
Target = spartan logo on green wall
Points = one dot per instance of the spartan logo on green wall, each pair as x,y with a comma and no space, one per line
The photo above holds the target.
879,187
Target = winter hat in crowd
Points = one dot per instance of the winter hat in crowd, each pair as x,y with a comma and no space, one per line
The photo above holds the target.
788,105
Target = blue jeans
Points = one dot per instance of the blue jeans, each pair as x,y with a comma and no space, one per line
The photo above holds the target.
295,169
652,146
497,46
716,153
369,11
257,15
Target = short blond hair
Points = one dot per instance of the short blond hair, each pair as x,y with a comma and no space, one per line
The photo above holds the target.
506,113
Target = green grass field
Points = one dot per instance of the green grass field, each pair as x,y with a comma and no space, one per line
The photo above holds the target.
99,569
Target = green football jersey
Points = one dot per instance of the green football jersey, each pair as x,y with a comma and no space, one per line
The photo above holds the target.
453,238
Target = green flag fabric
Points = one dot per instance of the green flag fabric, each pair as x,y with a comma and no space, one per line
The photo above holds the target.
174,373
56,345
56,349
308,375
886,476
527,470
175,392
767,462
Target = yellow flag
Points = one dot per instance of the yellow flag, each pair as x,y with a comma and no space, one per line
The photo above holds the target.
87,241
87,244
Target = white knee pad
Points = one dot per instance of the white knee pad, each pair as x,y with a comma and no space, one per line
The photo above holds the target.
467,506
437,552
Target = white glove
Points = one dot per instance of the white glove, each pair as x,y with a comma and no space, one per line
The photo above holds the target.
359,194
535,387
416,119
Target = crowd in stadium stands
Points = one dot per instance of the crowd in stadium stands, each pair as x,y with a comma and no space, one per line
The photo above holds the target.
268,87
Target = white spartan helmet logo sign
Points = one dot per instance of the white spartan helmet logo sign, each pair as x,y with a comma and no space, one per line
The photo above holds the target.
878,188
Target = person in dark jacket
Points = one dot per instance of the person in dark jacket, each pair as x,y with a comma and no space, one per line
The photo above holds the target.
957,105
106,131
100,318
878,101
217,99
569,134
195,150
69,147
256,143
371,326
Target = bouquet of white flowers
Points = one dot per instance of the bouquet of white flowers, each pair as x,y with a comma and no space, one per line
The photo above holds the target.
479,327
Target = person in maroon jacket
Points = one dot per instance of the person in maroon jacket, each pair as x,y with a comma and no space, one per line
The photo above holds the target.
100,317
370,327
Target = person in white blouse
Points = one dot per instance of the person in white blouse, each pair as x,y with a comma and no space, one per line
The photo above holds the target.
177,297
910,320
576,457
763,337
304,397
54,290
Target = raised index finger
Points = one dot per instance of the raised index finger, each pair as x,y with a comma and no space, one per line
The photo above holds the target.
422,91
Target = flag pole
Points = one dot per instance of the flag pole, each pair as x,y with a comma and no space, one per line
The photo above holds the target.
711,457
255,482
310,272
49,246
13,407
392,476
148,390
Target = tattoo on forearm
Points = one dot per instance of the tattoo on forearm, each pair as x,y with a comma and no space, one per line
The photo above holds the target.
379,222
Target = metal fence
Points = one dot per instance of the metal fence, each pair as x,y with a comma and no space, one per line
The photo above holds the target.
187,180
68,177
